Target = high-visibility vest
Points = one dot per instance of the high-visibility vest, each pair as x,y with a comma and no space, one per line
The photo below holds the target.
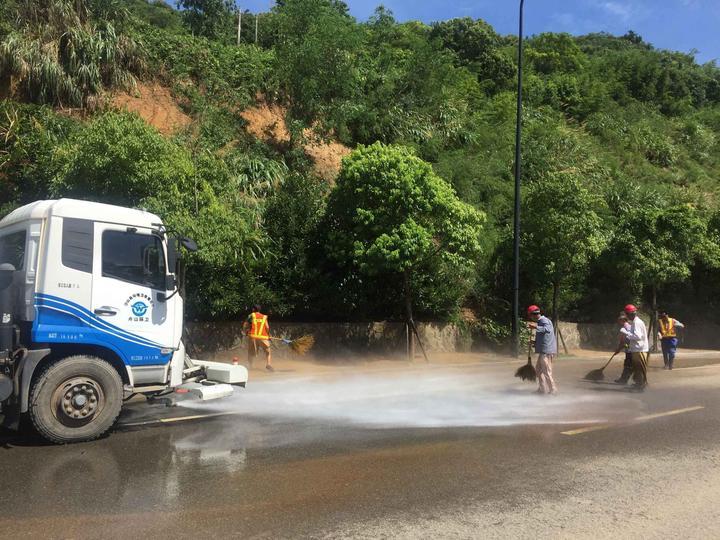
667,329
259,326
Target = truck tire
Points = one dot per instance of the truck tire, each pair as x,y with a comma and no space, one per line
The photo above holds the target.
75,399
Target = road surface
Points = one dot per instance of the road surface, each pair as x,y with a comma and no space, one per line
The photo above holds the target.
452,451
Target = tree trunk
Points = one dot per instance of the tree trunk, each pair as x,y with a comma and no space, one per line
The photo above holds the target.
412,328
556,290
654,321
555,317
408,316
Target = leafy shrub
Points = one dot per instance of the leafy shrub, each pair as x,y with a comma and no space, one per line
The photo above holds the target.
119,159
30,136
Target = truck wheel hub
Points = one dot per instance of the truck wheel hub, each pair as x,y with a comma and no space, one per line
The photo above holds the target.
77,401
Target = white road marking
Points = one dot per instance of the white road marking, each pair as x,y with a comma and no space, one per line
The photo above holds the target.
175,419
668,413
586,429
638,419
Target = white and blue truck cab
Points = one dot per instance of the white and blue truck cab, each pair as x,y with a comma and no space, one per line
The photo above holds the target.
90,314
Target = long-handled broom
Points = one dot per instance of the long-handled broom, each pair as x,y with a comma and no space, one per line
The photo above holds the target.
597,374
299,345
527,372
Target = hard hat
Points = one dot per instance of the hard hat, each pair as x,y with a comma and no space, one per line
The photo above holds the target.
630,309
533,309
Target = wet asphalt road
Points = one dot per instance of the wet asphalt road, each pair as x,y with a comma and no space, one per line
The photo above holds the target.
289,476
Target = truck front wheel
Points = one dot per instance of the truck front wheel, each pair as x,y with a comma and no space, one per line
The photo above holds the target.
75,399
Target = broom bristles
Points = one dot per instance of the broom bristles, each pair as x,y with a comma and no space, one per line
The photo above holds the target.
595,375
526,373
302,344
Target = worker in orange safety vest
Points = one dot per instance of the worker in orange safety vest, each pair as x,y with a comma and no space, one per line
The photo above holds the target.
668,337
257,330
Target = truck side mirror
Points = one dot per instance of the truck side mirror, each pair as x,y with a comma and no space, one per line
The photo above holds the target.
189,243
170,282
172,254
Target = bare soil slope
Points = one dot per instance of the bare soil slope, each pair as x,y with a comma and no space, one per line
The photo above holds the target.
267,122
156,105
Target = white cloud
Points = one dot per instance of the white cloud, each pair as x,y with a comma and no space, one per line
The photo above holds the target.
623,11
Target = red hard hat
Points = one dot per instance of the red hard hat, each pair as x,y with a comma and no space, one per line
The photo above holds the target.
630,309
533,309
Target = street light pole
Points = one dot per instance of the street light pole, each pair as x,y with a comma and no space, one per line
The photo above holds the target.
516,235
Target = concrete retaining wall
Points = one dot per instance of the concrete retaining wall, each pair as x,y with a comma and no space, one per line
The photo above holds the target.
697,335
337,341
223,340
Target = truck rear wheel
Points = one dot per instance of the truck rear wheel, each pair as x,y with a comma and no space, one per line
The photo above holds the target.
75,399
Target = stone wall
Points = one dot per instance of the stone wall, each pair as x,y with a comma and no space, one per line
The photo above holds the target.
588,335
338,341
697,335
223,340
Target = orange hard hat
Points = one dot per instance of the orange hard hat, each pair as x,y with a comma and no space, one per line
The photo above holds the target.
533,309
630,309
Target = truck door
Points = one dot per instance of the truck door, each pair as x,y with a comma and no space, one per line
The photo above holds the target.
128,293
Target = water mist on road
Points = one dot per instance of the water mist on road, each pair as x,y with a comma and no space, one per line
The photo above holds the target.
419,399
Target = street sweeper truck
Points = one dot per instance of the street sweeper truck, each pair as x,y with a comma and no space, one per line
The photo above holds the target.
90,315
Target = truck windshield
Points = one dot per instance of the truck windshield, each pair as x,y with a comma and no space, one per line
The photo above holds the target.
12,249
133,257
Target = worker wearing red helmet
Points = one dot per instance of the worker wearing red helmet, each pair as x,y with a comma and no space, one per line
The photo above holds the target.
545,347
638,345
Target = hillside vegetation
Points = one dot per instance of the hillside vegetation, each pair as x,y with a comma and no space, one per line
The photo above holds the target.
138,103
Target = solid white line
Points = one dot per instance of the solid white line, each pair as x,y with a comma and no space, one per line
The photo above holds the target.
638,419
176,419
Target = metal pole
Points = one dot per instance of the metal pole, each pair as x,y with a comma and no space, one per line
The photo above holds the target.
516,236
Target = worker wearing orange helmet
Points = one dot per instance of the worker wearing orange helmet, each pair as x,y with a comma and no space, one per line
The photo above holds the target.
257,329
545,347
638,345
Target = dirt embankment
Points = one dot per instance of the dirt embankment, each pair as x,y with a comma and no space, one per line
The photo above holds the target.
267,122
156,105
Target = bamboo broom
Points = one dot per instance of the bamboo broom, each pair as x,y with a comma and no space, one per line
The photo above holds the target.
527,372
300,345
597,374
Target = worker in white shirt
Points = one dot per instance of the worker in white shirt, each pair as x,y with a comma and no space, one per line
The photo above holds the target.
623,347
668,337
638,345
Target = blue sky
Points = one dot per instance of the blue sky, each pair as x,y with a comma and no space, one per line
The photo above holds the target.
681,25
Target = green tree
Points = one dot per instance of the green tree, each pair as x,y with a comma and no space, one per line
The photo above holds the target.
119,159
552,53
478,47
561,233
292,222
390,214
209,18
654,247
316,55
